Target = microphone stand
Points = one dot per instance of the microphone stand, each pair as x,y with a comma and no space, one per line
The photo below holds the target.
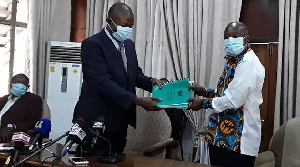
106,159
41,149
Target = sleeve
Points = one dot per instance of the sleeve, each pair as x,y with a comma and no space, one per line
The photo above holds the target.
238,89
95,70
33,113
210,93
143,81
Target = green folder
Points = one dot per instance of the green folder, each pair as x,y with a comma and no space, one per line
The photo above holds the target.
173,94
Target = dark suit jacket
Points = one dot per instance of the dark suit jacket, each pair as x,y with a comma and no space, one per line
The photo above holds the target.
107,89
24,113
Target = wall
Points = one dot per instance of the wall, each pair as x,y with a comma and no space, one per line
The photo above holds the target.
78,25
262,18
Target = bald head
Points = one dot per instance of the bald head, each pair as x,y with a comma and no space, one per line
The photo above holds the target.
235,29
119,10
119,14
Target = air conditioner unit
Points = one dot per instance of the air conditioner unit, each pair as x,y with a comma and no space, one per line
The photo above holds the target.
63,84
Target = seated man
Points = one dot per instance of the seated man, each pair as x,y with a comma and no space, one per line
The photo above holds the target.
19,110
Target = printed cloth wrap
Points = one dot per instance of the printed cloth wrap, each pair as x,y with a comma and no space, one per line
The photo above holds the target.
224,128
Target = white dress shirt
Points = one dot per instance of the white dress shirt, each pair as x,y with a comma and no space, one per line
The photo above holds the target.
246,90
7,106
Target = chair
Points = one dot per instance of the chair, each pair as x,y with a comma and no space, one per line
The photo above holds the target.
152,135
284,148
46,110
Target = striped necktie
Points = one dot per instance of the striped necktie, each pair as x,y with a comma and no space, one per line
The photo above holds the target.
122,51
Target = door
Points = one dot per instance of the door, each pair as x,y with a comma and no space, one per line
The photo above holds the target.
267,54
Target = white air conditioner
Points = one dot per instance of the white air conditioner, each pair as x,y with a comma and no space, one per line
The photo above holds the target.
63,84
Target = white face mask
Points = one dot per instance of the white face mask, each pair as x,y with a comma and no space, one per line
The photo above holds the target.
122,33
234,46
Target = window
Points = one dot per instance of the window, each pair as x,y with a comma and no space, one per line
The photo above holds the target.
13,40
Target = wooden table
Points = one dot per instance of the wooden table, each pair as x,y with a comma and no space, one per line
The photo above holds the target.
127,160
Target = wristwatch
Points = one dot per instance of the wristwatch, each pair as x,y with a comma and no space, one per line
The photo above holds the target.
11,126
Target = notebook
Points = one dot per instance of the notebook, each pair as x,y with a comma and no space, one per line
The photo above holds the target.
173,94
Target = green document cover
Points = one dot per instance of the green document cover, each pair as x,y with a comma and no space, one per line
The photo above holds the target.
173,94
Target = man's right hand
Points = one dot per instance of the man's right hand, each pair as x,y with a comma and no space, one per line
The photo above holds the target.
147,103
198,90
6,134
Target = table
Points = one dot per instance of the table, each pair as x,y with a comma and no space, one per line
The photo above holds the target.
127,161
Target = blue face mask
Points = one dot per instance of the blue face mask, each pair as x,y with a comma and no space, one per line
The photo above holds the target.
234,46
122,33
18,89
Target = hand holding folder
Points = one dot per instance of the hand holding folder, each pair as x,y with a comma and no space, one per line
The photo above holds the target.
173,94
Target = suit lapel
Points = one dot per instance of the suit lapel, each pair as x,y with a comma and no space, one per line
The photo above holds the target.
116,54
20,101
3,101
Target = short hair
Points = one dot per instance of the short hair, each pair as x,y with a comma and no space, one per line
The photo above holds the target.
23,76
117,9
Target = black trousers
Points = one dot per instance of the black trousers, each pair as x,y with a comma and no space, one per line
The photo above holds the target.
223,157
177,117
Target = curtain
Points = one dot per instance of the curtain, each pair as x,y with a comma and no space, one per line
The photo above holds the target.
174,39
193,38
39,25
287,104
186,41
96,21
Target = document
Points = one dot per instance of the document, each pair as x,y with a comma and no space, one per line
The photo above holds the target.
173,94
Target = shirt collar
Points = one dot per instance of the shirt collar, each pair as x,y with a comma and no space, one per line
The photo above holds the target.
12,99
115,42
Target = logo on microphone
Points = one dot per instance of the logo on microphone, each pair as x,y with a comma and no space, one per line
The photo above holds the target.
76,130
98,125
21,136
39,124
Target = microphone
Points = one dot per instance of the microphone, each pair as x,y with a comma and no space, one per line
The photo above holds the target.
76,134
97,126
100,124
41,129
20,139
48,144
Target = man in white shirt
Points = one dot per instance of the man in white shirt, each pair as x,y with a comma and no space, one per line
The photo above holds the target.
234,129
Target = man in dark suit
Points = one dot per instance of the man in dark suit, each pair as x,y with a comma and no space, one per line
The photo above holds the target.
19,110
110,77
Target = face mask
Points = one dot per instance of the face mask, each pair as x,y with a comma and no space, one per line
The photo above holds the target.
122,33
234,46
18,89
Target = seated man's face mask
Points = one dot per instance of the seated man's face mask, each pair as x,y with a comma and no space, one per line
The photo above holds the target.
234,46
18,89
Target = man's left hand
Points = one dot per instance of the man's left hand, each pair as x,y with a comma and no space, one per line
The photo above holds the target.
156,82
6,134
195,104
